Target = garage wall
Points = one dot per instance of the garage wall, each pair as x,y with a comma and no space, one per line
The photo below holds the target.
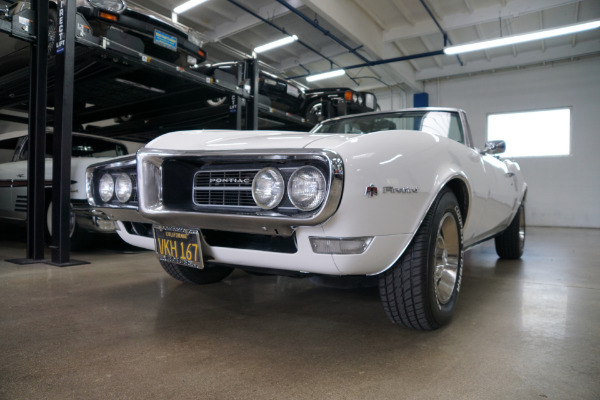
563,191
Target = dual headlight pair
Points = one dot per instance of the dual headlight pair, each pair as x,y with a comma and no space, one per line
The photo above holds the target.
121,187
306,188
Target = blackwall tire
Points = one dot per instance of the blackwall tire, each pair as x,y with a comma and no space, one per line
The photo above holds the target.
510,244
217,101
78,237
195,275
314,112
52,31
421,289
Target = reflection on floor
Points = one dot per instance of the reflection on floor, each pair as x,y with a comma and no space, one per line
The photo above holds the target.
121,328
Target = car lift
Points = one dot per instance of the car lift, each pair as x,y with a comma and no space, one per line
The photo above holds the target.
105,70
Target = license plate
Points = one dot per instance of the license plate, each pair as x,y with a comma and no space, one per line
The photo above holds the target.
178,245
165,40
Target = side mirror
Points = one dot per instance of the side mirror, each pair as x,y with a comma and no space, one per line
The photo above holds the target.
494,147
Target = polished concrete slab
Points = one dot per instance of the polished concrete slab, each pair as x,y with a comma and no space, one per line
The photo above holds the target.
120,328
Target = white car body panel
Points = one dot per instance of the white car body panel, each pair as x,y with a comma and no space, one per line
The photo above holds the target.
420,161
13,175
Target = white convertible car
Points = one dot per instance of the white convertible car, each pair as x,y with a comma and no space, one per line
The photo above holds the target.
86,150
399,195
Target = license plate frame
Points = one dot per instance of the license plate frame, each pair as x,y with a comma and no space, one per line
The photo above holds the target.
165,40
178,245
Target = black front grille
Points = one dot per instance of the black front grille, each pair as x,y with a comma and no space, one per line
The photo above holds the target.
224,188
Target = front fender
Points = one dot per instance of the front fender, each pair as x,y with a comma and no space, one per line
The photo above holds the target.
407,169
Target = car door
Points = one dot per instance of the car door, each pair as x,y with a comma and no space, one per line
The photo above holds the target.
13,179
503,191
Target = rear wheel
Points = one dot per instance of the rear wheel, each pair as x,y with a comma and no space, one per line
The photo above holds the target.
421,289
511,243
195,275
217,101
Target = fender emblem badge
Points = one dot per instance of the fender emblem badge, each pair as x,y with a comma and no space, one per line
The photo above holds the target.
371,191
390,189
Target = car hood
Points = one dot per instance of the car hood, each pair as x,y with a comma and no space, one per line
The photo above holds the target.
235,140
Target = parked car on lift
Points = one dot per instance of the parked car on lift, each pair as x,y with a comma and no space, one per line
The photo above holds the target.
340,101
397,196
273,90
287,96
150,32
86,150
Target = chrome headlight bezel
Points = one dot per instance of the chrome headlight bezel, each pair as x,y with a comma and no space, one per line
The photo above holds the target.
268,188
123,187
106,187
307,188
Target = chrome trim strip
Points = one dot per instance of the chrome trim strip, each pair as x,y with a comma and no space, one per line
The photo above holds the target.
152,207
124,162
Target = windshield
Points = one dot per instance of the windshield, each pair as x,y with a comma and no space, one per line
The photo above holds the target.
442,123
84,146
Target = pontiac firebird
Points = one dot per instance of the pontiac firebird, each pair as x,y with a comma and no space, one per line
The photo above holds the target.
399,195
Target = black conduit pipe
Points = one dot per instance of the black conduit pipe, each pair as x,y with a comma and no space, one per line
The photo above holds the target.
446,38
323,30
282,30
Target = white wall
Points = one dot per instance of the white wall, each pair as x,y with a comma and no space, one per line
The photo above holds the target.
563,191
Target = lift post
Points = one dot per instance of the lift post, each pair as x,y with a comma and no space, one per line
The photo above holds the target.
63,134
252,104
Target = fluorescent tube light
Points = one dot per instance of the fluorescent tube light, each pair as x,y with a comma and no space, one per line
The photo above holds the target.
528,37
275,44
187,5
326,75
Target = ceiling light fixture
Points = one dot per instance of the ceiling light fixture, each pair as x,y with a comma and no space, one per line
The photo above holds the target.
187,5
528,37
326,75
275,44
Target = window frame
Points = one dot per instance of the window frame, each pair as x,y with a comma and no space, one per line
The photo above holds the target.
570,132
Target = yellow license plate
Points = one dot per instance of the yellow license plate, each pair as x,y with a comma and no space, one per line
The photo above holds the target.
178,245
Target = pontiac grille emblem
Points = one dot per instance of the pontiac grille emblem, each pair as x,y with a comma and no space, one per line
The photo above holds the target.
222,181
371,191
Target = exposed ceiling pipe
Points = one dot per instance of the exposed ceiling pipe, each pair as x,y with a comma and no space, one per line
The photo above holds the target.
282,30
446,38
323,30
386,61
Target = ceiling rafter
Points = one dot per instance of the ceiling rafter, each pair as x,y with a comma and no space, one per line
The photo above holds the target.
479,16
247,21
405,12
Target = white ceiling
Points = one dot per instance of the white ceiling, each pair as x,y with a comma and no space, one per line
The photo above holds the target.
384,29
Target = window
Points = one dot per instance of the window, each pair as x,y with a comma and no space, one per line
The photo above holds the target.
7,149
441,123
533,133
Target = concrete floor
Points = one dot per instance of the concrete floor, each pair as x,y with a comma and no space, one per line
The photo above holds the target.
120,328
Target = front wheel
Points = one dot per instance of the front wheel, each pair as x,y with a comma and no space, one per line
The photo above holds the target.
195,275
421,289
77,236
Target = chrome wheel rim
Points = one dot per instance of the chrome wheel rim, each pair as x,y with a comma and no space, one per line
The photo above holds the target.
447,257
316,111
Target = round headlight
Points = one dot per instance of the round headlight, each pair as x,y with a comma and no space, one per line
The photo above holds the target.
123,188
307,188
267,188
109,5
106,187
355,97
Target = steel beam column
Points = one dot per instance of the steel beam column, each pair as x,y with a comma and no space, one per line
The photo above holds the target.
63,129
36,203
